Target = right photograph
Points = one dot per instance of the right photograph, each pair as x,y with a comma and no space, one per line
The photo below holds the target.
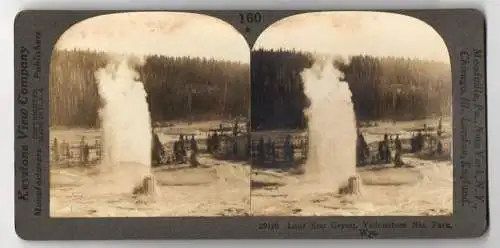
351,116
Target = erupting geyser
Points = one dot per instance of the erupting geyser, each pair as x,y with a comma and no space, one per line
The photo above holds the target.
332,125
125,120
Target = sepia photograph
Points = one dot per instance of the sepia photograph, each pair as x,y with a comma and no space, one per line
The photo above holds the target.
351,116
149,116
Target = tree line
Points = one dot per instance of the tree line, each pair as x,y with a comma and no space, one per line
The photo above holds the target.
184,88
178,88
383,88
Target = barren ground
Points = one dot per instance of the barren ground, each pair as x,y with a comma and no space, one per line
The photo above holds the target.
222,188
421,187
216,188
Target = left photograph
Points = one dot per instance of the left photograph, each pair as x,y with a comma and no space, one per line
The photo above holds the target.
149,117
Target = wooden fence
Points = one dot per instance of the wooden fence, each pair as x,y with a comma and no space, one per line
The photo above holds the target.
72,153
273,151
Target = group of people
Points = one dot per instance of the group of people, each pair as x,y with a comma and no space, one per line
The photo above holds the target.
385,150
179,151
183,145
418,143
390,150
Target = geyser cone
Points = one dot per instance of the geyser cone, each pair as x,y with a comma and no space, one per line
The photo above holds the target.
125,121
332,125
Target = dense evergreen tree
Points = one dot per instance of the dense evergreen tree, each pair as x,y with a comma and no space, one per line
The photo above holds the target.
278,97
387,88
177,88
383,88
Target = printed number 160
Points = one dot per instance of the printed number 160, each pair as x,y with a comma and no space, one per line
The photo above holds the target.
251,17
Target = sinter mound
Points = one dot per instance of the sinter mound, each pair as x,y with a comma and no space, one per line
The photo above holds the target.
147,187
352,187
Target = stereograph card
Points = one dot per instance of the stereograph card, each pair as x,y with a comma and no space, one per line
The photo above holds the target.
250,124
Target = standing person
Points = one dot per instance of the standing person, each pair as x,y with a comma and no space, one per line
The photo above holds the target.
182,148
67,149
86,153
381,153
181,139
440,149
194,152
397,144
362,149
235,148
273,151
419,140
82,149
440,127
413,143
387,149
269,148
55,149
157,150
176,150
215,144
399,149
261,150
193,144
289,149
